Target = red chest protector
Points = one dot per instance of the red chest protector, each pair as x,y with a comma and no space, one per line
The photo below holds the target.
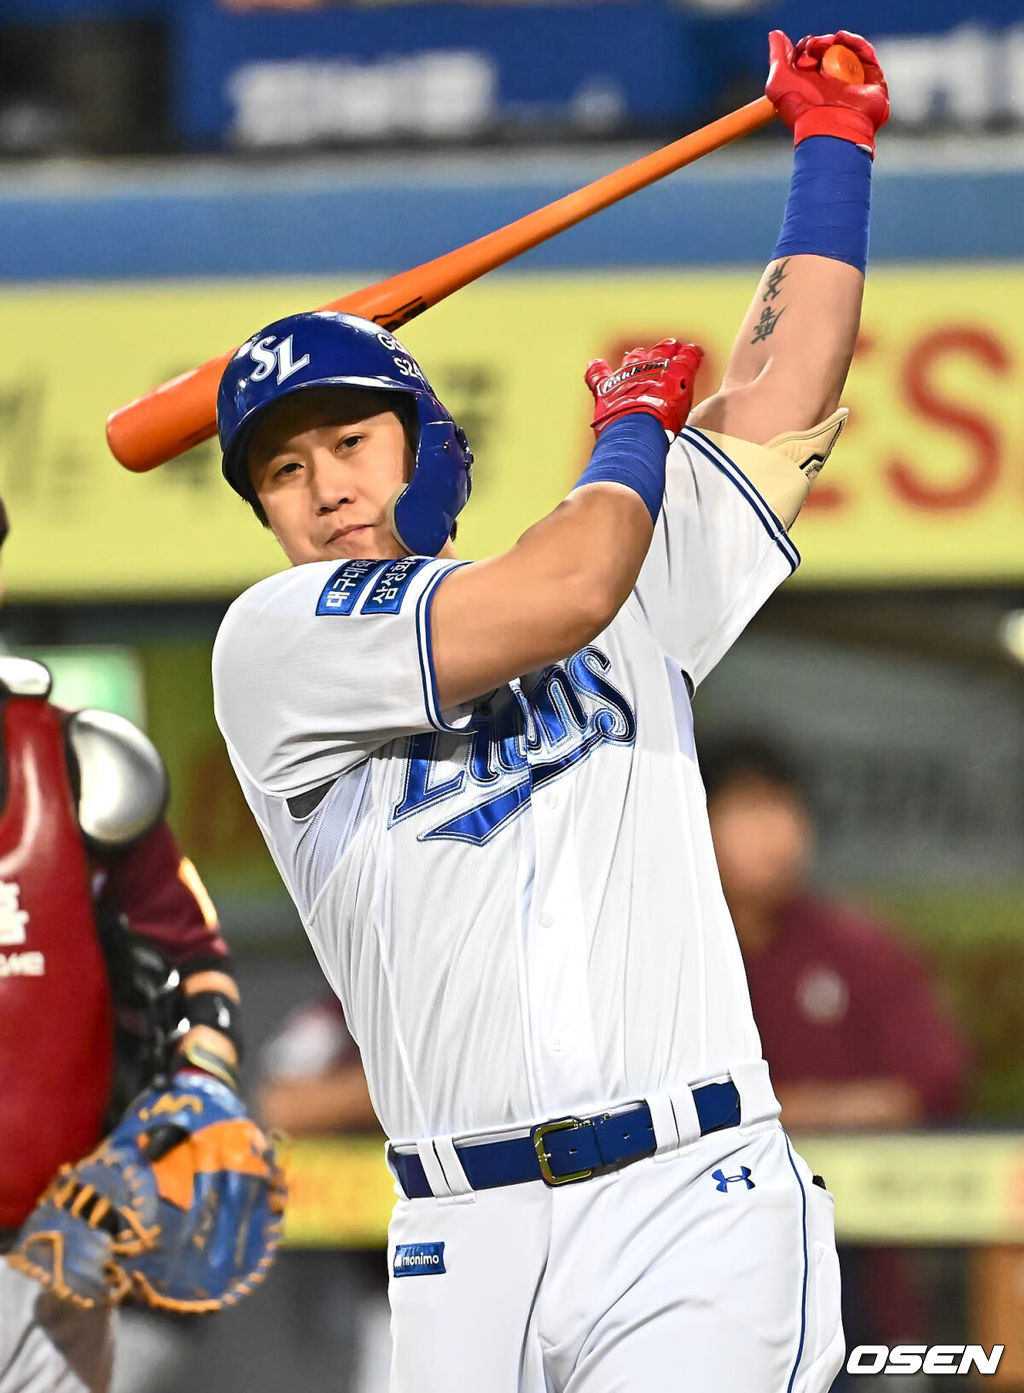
56,1026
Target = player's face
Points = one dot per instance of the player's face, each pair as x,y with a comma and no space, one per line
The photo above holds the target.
762,841
325,465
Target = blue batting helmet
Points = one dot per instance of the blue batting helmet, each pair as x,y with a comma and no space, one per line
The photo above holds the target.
323,349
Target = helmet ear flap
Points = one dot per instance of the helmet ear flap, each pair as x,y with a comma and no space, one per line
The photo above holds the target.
392,524
423,513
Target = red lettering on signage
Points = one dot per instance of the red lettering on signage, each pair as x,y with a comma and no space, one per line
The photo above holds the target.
980,434
825,498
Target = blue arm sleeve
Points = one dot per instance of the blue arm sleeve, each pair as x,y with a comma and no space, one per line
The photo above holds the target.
631,451
829,204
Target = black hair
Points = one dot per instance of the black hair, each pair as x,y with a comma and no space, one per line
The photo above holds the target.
733,756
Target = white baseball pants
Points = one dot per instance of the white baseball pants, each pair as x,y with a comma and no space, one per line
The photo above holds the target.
708,1269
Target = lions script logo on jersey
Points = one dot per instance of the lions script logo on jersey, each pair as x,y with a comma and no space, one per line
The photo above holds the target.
532,735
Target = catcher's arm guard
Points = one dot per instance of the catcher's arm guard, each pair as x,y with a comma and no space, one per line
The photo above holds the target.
181,1206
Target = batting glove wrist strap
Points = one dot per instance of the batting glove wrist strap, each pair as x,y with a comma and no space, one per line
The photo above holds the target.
650,393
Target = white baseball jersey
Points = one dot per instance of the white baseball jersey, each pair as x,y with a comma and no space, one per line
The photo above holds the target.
517,902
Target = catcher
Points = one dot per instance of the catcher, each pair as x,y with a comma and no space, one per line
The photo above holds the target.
115,985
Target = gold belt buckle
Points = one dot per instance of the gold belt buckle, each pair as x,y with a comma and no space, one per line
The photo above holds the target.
564,1124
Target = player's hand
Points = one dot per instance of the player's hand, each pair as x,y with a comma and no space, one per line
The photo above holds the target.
812,103
656,380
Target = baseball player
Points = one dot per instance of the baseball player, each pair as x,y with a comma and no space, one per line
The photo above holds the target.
478,782
110,951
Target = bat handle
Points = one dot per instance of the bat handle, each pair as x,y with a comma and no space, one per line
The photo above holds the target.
843,64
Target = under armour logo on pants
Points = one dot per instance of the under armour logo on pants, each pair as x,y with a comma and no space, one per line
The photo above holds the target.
724,1181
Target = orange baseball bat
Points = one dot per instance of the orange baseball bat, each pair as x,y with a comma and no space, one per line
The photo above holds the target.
182,412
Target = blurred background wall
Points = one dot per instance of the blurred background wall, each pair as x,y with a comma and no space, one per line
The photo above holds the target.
175,172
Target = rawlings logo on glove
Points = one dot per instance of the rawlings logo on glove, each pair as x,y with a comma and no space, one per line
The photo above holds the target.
652,365
656,380
181,1206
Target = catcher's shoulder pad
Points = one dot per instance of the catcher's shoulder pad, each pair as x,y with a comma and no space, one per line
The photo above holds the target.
24,677
122,783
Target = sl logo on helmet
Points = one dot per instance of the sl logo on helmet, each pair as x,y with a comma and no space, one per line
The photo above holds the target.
270,357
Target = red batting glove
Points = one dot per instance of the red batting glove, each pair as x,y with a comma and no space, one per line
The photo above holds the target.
811,103
658,381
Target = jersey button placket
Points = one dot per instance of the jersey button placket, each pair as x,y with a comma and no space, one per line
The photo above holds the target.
562,1035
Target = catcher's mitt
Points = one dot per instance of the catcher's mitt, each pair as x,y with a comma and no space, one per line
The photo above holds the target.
181,1206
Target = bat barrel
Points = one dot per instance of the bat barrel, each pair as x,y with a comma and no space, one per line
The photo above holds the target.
166,422
171,419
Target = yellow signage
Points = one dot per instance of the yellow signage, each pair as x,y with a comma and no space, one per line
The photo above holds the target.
927,485
901,1189
927,1189
340,1193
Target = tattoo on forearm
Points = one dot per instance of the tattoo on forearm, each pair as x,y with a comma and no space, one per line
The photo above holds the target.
765,326
773,284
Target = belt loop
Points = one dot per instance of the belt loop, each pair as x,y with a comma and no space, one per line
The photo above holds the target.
663,1119
451,1166
433,1170
685,1109
674,1114
758,1102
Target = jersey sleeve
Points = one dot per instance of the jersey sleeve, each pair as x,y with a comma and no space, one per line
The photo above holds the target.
719,547
161,895
317,667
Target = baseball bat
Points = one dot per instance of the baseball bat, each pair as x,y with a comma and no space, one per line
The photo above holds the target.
180,413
